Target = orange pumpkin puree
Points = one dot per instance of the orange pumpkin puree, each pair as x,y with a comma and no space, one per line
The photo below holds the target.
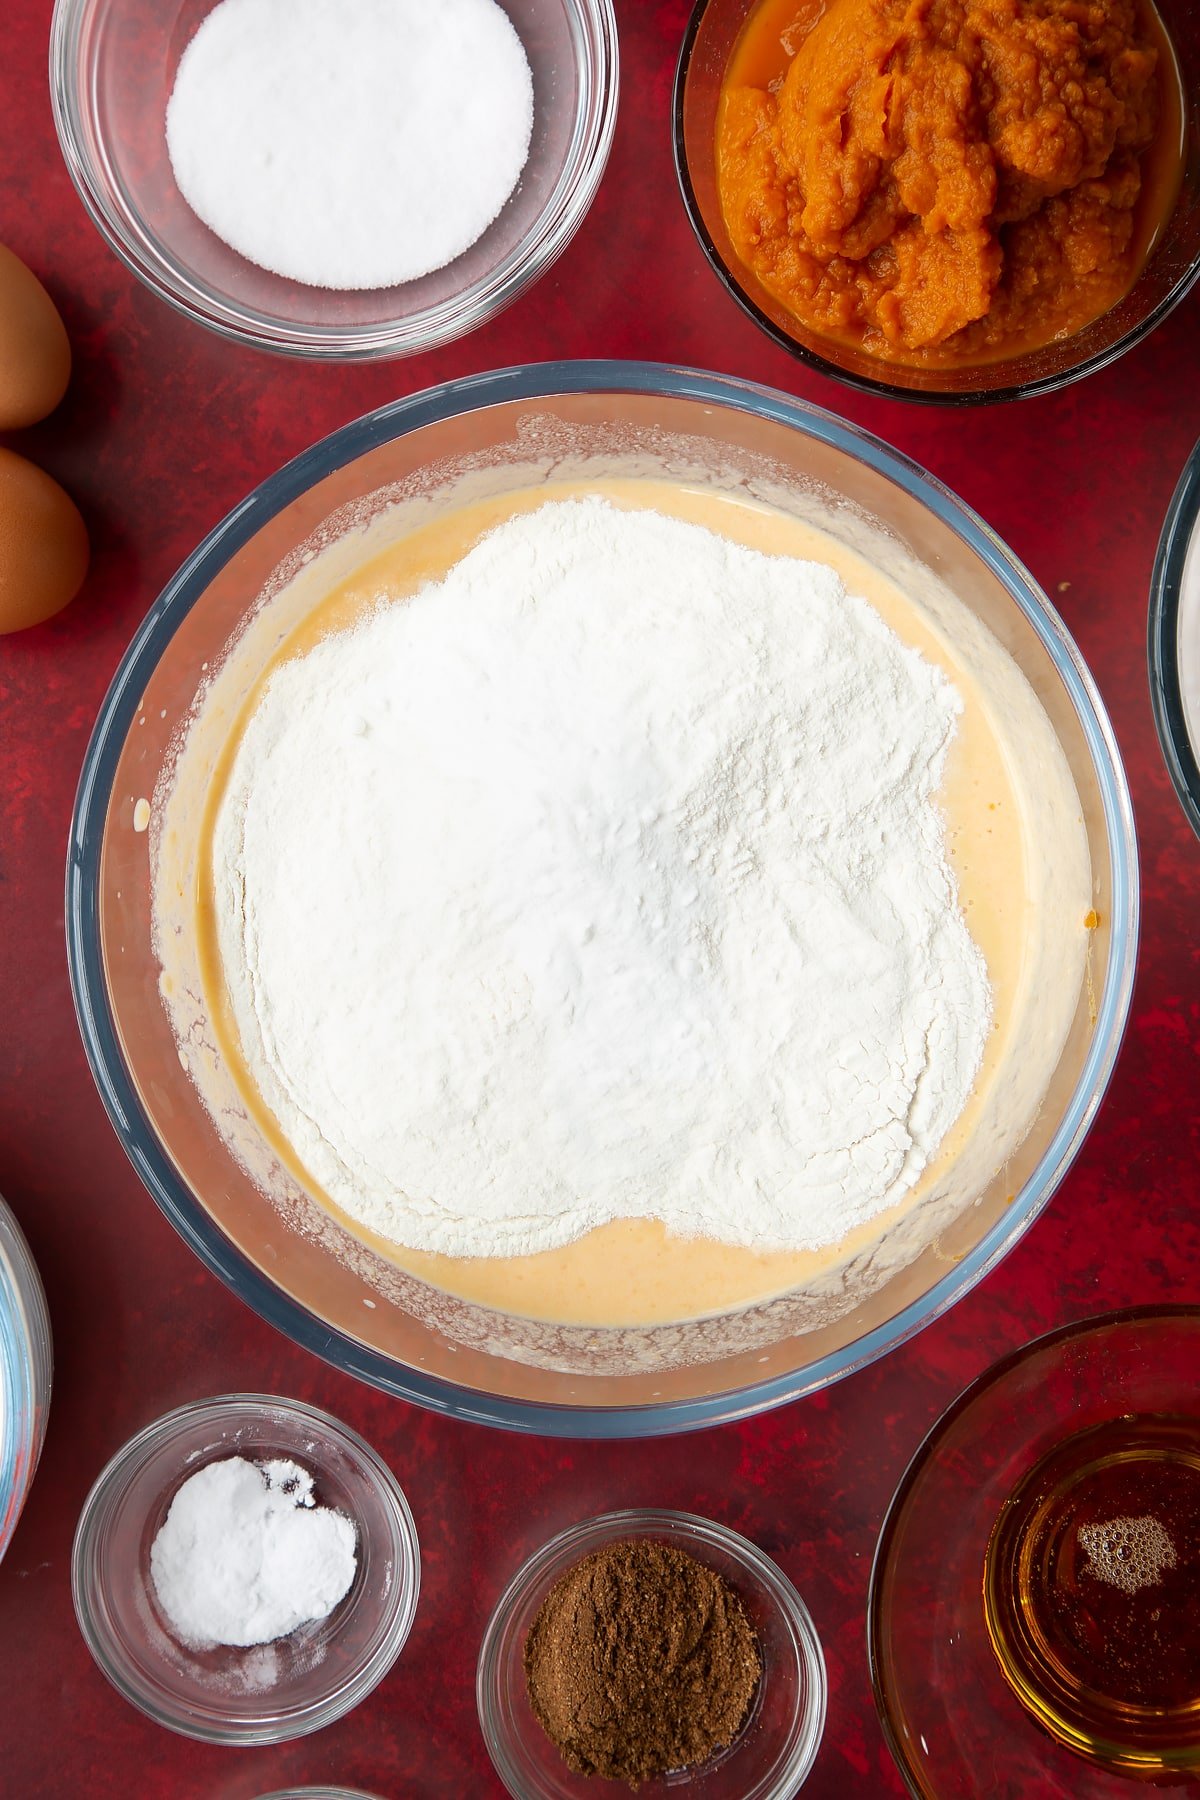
946,182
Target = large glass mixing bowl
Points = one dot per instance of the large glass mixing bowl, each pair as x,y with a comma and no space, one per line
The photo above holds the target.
234,1203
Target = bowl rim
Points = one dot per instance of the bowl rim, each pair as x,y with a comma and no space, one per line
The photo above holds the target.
869,384
1180,529
992,1376
119,707
594,36
695,1533
273,1725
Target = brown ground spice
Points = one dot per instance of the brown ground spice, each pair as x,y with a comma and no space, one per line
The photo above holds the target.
641,1660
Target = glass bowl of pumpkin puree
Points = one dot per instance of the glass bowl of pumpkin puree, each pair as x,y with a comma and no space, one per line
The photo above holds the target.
627,1329
954,203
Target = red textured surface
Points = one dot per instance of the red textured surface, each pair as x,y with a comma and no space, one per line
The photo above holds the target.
164,429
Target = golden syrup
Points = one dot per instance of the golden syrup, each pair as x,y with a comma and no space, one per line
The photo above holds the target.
1092,1593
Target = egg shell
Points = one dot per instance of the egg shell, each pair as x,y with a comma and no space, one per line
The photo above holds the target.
43,544
35,356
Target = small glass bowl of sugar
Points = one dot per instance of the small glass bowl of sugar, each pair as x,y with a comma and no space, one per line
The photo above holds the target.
232,1466
336,178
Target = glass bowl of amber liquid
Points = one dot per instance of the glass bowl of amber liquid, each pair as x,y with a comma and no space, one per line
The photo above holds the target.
731,42
1036,1587
772,1753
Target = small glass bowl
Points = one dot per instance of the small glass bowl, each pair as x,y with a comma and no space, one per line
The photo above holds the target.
1174,640
269,1692
773,1753
112,68
25,1372
1170,270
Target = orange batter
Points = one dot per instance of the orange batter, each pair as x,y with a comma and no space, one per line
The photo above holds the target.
945,181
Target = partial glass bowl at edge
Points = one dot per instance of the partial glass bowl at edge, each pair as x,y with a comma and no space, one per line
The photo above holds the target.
1169,273
953,1724
318,1793
112,68
25,1372
330,1303
1174,640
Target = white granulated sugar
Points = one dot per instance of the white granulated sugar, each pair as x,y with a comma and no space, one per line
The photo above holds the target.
351,143
603,879
245,1556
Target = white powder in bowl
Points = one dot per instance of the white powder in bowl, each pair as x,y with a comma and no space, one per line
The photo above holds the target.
351,143
603,878
245,1556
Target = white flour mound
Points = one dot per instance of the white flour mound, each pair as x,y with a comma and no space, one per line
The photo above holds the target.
603,879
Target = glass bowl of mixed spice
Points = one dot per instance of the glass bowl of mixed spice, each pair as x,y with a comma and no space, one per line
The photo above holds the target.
659,1652
245,1570
956,206
336,180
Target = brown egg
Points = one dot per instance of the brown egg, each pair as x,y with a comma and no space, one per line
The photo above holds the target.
43,545
35,357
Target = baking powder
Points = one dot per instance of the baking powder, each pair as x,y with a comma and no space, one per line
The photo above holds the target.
245,1556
